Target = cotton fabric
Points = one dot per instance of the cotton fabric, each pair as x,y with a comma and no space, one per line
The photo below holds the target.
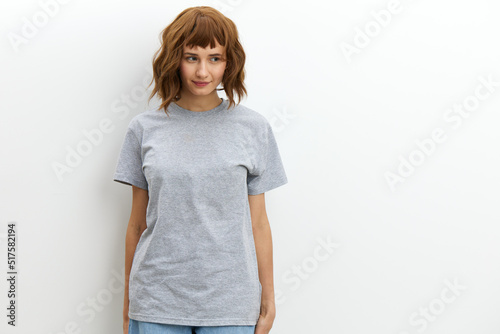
195,264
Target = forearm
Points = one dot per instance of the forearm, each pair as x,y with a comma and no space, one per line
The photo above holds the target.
131,239
264,249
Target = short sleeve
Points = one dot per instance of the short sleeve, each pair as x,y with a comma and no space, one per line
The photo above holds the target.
129,166
268,172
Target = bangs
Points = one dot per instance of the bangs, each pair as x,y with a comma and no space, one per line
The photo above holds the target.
205,30
198,26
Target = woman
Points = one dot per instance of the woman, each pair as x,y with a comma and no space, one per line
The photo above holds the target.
198,243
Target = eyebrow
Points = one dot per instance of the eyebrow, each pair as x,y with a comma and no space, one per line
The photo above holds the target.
195,54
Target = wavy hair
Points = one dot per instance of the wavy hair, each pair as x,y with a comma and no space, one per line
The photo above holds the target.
197,26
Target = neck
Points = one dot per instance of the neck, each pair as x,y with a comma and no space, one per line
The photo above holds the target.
199,102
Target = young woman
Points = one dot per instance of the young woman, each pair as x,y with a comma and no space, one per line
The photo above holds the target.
198,243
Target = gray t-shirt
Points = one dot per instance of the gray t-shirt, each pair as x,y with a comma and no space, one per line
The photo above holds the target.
195,263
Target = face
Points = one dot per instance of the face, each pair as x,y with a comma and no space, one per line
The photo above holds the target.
202,69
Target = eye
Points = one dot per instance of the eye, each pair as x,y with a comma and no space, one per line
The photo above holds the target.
214,59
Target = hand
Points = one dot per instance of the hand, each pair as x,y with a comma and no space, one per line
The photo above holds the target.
266,317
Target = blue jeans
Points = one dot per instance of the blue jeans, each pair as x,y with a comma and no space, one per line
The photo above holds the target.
143,327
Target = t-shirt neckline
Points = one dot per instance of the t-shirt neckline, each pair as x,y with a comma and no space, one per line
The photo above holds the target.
189,113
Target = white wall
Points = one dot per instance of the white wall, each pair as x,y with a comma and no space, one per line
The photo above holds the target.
352,119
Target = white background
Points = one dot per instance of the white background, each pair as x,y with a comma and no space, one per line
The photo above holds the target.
342,122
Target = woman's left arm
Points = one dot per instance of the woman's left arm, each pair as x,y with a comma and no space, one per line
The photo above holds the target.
264,249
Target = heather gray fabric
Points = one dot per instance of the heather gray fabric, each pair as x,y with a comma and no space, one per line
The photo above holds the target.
195,264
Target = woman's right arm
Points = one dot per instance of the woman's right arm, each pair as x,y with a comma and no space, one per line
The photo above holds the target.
136,225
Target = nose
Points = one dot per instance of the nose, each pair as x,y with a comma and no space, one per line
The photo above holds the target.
201,71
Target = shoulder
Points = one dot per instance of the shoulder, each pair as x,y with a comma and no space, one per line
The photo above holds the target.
144,120
250,117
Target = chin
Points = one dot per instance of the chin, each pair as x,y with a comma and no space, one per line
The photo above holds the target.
205,92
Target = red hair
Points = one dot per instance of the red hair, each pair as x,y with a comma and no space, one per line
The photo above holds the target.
197,26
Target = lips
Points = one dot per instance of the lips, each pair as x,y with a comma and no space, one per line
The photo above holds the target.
201,82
